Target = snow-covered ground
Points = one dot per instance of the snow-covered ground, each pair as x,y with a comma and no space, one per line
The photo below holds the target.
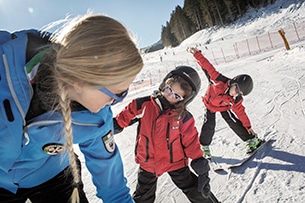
276,108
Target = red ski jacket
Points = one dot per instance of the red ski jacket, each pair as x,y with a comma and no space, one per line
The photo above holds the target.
217,98
164,143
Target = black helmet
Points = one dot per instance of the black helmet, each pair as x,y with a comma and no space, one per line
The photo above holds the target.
190,75
244,82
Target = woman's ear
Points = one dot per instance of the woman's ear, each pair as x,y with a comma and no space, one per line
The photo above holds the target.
78,87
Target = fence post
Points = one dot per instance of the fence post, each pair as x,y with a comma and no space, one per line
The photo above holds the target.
223,55
248,46
270,40
214,58
282,33
159,78
296,31
236,50
259,47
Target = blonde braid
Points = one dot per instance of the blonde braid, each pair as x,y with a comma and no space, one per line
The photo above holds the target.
93,50
65,102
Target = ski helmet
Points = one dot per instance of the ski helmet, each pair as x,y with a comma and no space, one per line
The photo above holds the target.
190,75
244,82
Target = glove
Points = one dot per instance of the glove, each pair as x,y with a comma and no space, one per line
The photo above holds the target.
251,131
193,50
202,168
116,127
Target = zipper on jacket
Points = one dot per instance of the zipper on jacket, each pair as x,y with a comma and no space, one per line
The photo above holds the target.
147,149
49,122
10,85
171,154
167,134
185,157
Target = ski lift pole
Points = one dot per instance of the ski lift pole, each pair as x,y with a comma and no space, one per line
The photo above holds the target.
282,33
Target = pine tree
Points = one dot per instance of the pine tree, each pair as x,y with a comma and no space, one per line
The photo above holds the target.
199,14
167,37
206,12
181,26
194,12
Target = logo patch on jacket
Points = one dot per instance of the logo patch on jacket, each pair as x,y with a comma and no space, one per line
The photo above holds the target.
53,148
175,127
108,141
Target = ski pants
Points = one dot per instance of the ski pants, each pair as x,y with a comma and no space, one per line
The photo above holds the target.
57,189
183,178
208,126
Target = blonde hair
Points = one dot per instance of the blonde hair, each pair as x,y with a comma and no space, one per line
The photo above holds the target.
96,50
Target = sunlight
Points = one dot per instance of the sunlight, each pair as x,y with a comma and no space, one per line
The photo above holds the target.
31,10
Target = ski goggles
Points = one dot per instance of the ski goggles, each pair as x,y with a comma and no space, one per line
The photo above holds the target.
116,97
170,91
237,90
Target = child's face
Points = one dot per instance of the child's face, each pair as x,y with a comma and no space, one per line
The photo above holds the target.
235,91
173,93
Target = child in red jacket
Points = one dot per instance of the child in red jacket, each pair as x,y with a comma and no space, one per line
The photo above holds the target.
224,95
167,138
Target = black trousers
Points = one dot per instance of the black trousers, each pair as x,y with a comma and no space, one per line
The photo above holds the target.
57,189
183,178
208,126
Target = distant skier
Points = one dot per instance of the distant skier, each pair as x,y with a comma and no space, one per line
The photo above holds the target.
224,95
167,138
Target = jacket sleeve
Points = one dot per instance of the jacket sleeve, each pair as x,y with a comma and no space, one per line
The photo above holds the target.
116,128
103,158
206,66
129,114
240,112
107,171
190,139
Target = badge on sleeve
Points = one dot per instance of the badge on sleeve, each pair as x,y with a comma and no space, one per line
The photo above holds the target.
53,148
108,141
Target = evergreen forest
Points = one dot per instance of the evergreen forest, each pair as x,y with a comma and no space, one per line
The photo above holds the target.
201,14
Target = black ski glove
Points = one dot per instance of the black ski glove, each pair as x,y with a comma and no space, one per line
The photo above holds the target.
116,127
201,167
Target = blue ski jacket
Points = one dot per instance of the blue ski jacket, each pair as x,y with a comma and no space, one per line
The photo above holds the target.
33,152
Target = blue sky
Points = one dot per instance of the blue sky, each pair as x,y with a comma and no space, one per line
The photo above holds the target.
143,17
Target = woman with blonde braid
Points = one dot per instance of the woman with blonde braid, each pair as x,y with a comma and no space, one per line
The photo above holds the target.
60,89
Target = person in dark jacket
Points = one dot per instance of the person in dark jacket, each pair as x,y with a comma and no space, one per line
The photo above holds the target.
225,95
167,138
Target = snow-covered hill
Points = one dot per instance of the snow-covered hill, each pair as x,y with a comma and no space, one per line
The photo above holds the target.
276,108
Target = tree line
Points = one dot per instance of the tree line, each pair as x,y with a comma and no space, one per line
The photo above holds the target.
201,14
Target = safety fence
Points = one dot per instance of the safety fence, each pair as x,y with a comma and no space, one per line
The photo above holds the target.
227,51
258,44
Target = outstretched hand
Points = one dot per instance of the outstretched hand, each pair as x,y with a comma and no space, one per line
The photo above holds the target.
251,131
193,50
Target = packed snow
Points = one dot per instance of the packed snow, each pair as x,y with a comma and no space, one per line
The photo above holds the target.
276,108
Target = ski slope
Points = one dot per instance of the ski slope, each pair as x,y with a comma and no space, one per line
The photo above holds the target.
276,108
